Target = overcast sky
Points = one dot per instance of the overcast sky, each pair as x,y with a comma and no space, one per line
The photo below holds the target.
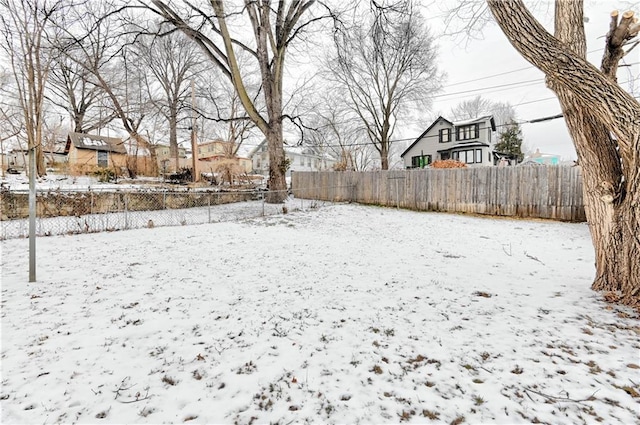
478,59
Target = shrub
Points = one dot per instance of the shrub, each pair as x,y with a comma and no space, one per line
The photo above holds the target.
105,175
448,163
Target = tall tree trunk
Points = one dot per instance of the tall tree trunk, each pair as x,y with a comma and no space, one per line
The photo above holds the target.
277,165
594,107
173,136
384,155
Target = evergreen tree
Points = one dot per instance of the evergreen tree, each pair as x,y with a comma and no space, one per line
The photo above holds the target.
511,141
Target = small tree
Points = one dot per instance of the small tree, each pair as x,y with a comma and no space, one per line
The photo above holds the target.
511,141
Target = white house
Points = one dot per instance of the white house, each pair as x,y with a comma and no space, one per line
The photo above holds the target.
467,141
301,159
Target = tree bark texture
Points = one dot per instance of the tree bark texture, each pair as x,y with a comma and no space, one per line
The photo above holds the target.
270,50
604,123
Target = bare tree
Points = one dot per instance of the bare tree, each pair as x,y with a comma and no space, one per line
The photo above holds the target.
604,122
71,89
274,27
386,62
221,109
24,25
503,113
9,128
472,108
332,129
172,61
101,45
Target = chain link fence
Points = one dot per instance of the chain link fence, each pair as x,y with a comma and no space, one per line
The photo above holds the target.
61,212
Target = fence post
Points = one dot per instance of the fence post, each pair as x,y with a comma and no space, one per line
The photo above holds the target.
263,203
91,203
126,210
209,206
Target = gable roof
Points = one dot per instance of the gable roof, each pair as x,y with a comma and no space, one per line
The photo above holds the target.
453,124
477,120
97,143
425,132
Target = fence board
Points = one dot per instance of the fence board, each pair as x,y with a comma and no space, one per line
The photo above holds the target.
534,192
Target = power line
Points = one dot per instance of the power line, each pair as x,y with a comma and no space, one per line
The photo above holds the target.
521,83
489,76
508,72
409,139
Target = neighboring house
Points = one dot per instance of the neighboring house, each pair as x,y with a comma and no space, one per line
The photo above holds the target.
218,150
166,163
467,141
214,149
300,159
57,154
539,158
163,152
89,152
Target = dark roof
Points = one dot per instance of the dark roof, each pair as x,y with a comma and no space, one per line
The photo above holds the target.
422,135
97,143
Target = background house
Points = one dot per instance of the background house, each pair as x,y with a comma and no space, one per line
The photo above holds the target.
164,152
54,154
167,163
467,141
219,150
87,153
301,159
539,158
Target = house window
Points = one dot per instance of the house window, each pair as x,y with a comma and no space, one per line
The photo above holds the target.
467,132
420,161
469,156
103,159
445,135
445,155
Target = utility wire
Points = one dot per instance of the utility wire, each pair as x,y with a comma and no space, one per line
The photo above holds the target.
508,72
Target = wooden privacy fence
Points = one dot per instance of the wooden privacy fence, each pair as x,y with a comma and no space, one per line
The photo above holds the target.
550,192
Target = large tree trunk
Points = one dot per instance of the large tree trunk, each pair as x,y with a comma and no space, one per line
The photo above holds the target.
594,108
277,167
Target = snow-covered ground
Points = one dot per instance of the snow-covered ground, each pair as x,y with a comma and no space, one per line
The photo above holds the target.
66,182
342,314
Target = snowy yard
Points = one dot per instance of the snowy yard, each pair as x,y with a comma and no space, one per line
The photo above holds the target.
343,314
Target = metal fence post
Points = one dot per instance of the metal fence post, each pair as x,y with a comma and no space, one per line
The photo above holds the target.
209,206
126,211
32,214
